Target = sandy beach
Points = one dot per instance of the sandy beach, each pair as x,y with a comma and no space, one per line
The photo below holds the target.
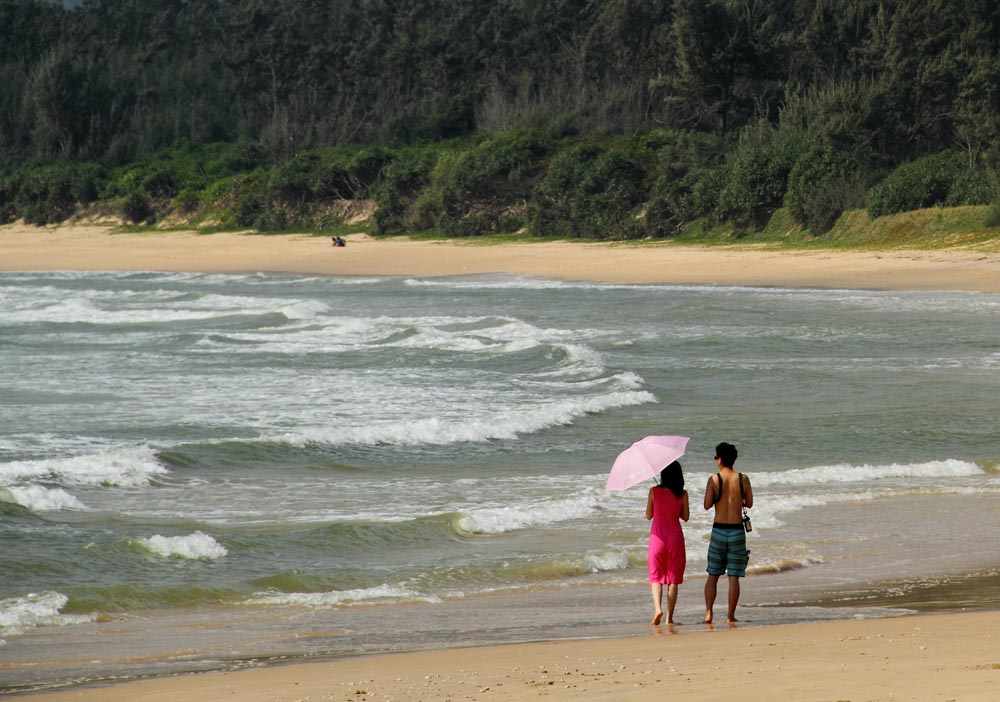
931,657
927,657
95,248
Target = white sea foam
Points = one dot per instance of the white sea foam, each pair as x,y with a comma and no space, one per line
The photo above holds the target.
498,520
196,546
609,560
373,595
782,565
82,310
36,609
846,473
438,431
131,466
122,307
40,499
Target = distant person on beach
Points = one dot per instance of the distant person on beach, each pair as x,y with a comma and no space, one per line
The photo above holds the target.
666,506
728,492
338,241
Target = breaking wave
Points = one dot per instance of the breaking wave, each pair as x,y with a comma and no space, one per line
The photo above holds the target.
120,467
40,499
380,594
196,546
438,431
36,609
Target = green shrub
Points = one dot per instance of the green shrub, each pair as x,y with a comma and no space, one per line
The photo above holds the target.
757,174
975,186
249,206
138,206
47,194
400,181
500,162
231,159
821,185
10,181
992,217
941,179
589,191
678,194
483,181
187,201
706,185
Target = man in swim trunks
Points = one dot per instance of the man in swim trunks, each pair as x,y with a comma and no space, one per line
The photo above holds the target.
728,492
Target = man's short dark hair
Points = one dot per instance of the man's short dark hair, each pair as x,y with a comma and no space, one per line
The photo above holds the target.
726,452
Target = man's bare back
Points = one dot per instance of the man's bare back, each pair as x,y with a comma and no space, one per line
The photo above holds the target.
728,509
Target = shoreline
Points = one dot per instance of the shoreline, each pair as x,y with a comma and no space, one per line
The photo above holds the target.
26,248
919,657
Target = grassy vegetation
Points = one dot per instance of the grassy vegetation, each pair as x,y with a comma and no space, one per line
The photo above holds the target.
927,229
777,188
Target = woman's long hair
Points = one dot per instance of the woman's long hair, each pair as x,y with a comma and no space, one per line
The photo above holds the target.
672,479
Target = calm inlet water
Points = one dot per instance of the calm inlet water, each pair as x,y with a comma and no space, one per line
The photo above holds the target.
203,470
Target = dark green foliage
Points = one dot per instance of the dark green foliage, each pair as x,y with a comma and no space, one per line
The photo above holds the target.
589,192
394,194
822,184
941,179
187,201
686,186
483,188
51,193
992,218
972,186
10,183
756,174
138,205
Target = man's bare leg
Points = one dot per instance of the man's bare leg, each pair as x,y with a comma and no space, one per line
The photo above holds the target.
734,598
657,589
711,588
671,602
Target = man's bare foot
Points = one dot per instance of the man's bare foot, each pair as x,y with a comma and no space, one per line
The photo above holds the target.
708,617
656,618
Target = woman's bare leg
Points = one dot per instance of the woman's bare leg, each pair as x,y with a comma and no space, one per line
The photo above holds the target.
657,589
671,602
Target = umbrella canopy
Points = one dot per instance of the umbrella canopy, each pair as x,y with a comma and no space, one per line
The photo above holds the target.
644,459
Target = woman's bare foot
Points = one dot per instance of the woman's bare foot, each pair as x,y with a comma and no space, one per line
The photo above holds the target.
656,618
708,617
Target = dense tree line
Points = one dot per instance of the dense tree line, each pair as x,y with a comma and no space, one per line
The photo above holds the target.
605,117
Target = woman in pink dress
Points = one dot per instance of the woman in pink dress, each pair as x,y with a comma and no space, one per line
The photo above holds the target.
666,506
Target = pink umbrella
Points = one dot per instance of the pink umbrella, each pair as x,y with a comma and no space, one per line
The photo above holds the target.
644,459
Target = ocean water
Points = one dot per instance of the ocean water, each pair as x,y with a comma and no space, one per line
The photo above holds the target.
203,471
